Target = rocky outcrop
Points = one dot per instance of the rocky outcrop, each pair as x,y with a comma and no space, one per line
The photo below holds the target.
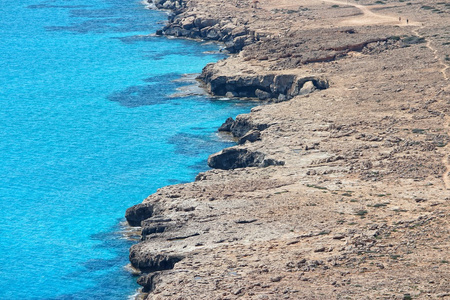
148,282
264,87
137,213
155,225
168,4
361,193
189,25
150,262
234,158
242,126
251,136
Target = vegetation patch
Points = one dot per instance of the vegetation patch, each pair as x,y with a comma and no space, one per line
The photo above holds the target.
412,40
418,131
316,186
361,212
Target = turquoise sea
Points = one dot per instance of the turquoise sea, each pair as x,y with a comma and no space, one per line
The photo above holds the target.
88,129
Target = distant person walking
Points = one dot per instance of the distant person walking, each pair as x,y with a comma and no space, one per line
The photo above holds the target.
407,21
255,3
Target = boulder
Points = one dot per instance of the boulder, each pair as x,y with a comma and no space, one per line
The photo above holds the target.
212,34
205,22
227,28
188,23
176,31
226,126
308,87
239,31
262,95
231,94
281,98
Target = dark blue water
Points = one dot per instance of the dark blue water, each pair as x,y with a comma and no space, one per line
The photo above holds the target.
86,130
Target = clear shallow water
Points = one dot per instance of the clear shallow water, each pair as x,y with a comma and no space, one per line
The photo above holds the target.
86,130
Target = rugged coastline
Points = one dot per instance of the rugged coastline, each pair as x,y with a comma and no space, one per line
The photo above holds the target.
339,187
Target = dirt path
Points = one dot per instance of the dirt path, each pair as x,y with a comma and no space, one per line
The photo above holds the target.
443,70
369,17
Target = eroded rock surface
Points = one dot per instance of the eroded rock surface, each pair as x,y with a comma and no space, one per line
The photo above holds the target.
360,207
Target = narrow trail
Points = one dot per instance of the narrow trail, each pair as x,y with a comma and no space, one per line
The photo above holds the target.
445,67
371,18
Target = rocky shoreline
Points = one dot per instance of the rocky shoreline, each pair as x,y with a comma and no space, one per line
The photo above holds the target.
338,187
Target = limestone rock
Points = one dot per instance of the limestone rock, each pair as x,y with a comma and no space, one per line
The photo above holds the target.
137,213
226,126
251,136
262,95
146,261
147,281
233,158
308,88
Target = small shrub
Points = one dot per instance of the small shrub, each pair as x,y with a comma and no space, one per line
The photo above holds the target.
335,6
361,212
411,40
418,131
407,297
316,186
